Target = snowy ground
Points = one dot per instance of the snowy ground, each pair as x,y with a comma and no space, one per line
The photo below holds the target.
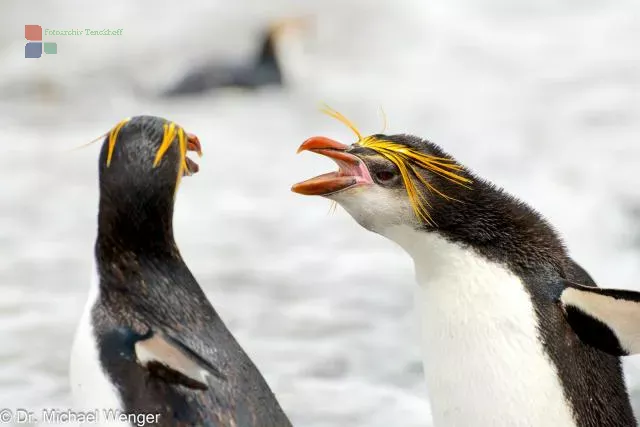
542,98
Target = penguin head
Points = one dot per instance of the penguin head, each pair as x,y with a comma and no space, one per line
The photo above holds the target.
142,162
275,33
390,180
146,156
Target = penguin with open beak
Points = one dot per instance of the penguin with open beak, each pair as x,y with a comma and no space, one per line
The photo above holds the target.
149,342
514,332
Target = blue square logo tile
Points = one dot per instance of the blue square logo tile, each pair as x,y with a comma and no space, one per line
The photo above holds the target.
33,50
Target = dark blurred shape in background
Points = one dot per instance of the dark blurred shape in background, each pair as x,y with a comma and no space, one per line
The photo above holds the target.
264,70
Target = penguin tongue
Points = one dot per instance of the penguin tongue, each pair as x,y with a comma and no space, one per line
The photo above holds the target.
352,171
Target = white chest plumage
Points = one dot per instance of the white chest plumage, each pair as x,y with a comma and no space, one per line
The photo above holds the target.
90,385
483,360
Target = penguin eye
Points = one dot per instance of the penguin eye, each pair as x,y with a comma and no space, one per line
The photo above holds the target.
387,176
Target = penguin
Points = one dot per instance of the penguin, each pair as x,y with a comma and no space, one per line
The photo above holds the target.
149,342
513,331
264,70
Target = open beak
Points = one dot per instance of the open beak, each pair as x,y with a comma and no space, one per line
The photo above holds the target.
351,170
193,144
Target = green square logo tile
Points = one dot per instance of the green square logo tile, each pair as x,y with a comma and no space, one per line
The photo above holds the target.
50,48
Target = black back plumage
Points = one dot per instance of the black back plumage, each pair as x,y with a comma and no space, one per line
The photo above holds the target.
146,286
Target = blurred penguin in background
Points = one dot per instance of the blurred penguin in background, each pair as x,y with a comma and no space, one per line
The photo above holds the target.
264,70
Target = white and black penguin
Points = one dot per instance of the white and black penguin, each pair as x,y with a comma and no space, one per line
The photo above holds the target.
149,341
508,338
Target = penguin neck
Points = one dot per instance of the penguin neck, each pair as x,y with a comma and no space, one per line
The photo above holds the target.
135,252
482,355
267,55
136,224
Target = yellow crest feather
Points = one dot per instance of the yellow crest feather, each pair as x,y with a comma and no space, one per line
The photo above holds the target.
408,160
113,137
170,129
338,116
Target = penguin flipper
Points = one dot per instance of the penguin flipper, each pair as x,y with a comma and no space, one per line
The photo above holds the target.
577,274
607,319
168,358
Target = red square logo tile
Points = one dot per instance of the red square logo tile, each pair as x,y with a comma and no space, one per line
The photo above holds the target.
33,32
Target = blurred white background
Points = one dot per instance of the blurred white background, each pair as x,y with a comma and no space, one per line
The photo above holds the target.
541,97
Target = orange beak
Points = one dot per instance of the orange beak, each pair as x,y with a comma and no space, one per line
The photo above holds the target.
352,170
193,144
